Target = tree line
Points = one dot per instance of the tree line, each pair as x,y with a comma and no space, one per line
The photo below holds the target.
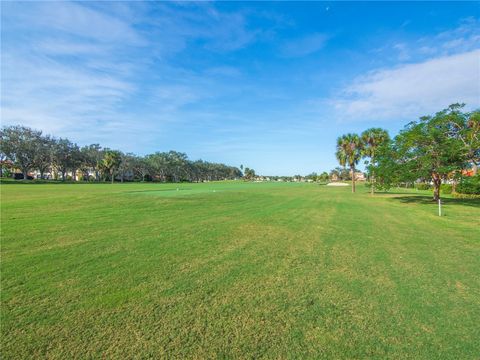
433,149
30,150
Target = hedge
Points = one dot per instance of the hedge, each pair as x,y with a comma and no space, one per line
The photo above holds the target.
469,185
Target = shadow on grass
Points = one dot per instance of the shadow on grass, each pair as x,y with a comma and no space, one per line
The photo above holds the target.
425,200
38,182
158,190
55,182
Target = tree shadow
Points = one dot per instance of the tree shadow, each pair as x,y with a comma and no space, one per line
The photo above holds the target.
425,200
158,190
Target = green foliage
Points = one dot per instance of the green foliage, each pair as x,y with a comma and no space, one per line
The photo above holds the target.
65,156
423,186
323,177
29,150
446,189
469,185
465,196
111,162
340,173
386,168
249,174
465,127
373,139
6,172
427,149
21,145
349,152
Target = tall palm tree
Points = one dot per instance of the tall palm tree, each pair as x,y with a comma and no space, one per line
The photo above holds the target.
349,151
372,139
111,161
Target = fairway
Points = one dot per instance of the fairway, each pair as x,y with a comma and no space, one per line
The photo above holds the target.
237,270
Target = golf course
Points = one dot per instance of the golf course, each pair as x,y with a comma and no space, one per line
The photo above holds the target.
237,269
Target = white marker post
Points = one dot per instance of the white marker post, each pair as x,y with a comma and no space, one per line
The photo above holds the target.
439,207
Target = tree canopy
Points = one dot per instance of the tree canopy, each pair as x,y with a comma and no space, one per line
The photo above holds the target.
30,150
349,152
433,149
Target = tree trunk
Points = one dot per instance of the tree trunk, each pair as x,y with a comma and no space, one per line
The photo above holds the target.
353,178
111,175
25,174
372,180
372,185
41,174
74,174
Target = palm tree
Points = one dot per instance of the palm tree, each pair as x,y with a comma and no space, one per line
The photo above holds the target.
111,161
372,139
349,151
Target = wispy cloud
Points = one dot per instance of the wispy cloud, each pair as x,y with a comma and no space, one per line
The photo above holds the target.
74,67
463,38
305,45
74,19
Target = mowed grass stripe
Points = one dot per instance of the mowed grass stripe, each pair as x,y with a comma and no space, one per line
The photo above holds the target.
252,270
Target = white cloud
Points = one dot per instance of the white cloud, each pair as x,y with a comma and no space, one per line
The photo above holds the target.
413,89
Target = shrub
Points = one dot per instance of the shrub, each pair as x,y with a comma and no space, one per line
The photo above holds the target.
423,186
465,196
469,185
446,188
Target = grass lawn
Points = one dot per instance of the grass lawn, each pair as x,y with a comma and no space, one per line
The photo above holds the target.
236,270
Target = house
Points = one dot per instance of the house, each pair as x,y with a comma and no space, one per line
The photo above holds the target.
468,172
359,176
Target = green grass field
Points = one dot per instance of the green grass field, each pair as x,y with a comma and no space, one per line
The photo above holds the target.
236,270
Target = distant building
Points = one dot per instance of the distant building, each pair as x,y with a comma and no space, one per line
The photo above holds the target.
359,176
468,172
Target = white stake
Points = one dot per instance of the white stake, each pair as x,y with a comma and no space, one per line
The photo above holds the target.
439,207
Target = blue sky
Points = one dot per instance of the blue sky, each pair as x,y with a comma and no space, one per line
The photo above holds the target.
268,85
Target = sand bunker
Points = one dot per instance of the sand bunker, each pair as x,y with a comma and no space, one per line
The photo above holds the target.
337,184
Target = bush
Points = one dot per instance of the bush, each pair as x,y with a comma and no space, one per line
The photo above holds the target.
469,185
446,188
465,196
423,186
